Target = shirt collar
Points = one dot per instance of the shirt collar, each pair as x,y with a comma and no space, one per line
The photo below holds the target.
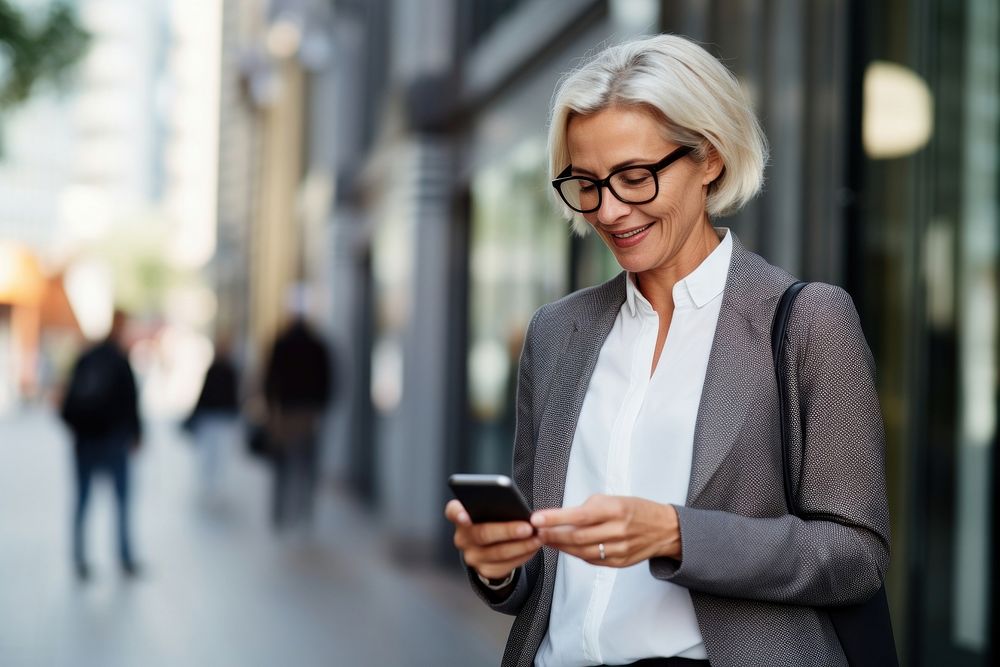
700,286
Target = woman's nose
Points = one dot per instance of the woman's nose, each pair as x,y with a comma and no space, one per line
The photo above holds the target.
611,208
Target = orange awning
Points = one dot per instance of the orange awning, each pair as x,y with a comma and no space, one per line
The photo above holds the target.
21,279
56,310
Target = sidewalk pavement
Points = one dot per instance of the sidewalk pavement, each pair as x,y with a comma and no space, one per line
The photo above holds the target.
218,587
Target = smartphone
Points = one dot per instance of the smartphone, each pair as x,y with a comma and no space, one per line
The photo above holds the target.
489,498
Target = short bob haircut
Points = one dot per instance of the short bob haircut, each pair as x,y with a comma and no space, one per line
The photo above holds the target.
699,102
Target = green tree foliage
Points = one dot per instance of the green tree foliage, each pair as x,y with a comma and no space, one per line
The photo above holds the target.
32,51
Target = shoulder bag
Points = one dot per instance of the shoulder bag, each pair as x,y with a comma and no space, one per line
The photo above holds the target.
865,629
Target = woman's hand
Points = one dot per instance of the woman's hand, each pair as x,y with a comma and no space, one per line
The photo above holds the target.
494,550
631,530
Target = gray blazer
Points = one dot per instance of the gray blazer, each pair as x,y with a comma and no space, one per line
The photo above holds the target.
758,576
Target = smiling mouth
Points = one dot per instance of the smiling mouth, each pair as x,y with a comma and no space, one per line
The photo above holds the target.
629,234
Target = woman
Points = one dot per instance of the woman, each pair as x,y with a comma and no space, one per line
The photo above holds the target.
647,413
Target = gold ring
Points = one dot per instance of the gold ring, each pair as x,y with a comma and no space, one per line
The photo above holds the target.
600,550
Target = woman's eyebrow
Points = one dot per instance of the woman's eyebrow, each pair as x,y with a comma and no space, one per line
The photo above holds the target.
625,163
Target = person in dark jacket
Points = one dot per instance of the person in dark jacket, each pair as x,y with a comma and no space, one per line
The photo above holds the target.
101,410
298,384
214,422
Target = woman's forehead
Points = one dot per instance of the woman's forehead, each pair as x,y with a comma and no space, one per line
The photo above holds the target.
615,134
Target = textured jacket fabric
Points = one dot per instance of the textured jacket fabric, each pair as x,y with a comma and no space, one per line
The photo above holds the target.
759,577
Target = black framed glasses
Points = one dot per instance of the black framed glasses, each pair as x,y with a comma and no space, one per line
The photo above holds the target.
634,184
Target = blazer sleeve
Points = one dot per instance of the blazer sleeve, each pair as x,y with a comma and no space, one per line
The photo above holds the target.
525,429
839,552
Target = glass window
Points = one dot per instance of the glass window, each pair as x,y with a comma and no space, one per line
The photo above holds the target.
978,302
519,260
932,139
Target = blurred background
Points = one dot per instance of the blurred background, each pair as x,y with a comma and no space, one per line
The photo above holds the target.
376,168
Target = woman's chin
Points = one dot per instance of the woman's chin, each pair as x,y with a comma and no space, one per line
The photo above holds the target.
634,259
631,263
635,253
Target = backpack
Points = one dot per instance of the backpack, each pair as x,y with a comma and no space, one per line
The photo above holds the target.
88,408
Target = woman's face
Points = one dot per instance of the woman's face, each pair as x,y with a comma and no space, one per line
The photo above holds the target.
666,232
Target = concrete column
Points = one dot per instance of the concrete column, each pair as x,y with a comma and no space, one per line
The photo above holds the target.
412,448
277,252
782,109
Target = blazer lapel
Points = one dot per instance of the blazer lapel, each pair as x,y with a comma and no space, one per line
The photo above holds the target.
569,388
724,405
742,334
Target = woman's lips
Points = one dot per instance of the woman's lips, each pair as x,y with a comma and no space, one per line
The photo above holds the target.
630,237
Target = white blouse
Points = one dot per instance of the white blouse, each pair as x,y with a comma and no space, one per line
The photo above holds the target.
635,437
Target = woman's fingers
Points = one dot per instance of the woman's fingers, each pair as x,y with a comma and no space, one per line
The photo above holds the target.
493,533
497,561
561,536
582,531
615,553
485,534
492,549
600,519
580,542
582,515
598,509
455,512
501,553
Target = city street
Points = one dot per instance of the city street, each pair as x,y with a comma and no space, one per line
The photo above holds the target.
218,588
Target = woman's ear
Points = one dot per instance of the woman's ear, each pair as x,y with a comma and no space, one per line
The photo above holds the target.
713,166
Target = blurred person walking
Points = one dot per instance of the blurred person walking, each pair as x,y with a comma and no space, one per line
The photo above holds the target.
214,422
298,385
101,410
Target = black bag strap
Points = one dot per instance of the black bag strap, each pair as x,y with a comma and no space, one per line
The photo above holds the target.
778,330
864,630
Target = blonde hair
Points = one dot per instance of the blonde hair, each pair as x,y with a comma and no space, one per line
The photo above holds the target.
696,98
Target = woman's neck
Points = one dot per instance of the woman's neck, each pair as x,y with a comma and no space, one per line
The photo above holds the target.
657,285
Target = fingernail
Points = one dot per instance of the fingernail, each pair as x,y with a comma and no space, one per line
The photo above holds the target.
537,519
524,531
463,517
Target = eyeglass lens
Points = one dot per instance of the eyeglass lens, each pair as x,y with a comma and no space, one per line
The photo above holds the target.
633,186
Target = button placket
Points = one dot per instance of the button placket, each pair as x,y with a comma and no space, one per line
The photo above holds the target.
617,468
